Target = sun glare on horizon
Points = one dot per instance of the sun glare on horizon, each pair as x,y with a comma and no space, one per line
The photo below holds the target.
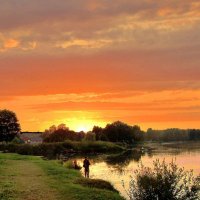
82,128
84,125
75,124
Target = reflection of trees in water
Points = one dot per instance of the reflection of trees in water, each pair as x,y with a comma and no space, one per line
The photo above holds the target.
94,159
150,154
120,161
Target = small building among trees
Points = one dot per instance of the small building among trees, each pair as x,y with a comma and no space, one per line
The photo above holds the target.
31,137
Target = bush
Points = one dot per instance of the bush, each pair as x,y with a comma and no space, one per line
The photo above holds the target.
71,165
163,182
96,147
95,183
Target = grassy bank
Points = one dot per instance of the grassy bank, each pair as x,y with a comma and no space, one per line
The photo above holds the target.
28,177
180,145
52,149
186,145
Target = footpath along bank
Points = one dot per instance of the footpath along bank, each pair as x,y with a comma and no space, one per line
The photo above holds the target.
32,178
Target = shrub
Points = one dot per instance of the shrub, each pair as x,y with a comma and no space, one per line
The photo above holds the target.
163,182
95,183
69,164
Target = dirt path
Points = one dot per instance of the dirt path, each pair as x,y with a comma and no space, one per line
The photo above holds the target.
31,178
28,180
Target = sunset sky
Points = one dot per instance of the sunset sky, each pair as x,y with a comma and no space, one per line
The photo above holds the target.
87,62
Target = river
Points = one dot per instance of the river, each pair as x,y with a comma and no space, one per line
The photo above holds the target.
118,168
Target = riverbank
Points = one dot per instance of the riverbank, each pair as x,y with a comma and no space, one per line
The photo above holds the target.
32,178
163,146
52,150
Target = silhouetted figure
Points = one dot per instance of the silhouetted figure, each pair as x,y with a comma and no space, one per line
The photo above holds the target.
75,164
86,164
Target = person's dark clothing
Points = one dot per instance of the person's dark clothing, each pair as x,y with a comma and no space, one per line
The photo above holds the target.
86,164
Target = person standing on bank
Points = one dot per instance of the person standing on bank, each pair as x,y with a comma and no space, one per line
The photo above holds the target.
86,165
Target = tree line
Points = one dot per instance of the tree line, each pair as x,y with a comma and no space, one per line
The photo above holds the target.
114,132
172,134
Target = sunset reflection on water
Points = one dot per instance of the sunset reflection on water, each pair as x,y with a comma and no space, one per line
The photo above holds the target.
116,172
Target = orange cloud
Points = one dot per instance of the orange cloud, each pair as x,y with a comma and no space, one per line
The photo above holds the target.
96,61
160,109
166,11
94,5
11,43
88,44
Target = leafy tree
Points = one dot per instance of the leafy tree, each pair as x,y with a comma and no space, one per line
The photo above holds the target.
90,136
121,132
9,125
118,132
163,182
172,134
137,133
48,132
61,133
62,127
98,132
194,134
57,136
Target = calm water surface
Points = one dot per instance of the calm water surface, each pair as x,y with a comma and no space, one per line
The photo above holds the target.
116,168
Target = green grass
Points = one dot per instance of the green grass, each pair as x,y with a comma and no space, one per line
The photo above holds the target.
6,185
97,183
28,177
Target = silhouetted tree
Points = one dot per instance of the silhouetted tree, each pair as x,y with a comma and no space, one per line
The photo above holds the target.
137,133
121,132
61,133
9,125
80,135
172,134
90,136
62,127
194,134
98,132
